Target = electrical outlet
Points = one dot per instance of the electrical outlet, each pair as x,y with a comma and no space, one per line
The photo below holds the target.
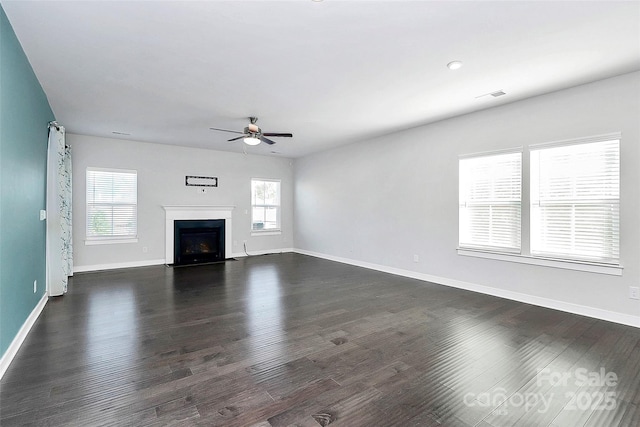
145,249
35,286
416,258
634,292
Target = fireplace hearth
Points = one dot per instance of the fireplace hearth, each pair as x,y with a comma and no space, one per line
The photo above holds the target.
199,241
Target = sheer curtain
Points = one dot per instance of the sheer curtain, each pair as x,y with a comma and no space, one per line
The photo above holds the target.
59,232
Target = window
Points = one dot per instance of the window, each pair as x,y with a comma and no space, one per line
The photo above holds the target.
111,204
265,205
490,202
575,201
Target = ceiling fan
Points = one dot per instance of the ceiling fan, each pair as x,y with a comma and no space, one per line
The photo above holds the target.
253,135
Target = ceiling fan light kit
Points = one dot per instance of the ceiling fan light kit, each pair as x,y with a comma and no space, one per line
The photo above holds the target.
253,135
251,140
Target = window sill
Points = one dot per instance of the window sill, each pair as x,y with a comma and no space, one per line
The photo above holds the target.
109,241
613,270
266,233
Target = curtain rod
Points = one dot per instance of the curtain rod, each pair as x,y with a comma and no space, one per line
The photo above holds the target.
55,124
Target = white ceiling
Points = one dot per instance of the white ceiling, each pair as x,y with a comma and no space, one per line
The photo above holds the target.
331,72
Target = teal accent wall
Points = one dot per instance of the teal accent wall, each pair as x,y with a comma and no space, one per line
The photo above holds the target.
24,115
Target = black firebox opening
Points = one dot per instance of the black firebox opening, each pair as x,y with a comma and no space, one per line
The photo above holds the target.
198,241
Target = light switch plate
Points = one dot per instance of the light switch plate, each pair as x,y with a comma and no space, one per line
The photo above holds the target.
43,214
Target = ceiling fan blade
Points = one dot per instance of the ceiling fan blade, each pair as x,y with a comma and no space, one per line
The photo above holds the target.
227,130
237,138
266,140
288,135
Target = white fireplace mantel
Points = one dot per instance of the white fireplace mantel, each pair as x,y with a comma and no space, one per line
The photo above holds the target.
197,212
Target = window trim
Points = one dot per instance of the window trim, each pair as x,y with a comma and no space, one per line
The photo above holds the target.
513,150
593,267
575,141
108,240
269,231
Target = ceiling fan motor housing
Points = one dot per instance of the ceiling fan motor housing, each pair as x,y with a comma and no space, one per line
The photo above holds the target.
253,135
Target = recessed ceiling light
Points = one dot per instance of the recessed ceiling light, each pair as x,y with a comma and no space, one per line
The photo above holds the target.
454,65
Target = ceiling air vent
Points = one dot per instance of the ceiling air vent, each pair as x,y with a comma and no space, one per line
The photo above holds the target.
495,94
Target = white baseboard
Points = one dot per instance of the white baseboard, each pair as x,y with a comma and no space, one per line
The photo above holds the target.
113,266
263,252
596,313
146,263
11,352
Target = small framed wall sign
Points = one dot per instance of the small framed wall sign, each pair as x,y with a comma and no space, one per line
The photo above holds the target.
201,181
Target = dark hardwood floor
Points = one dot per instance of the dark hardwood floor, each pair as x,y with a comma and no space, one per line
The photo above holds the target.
284,340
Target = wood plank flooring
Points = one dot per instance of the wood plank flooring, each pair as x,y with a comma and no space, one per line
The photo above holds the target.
292,340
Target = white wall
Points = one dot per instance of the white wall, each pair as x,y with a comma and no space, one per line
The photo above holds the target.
161,175
381,201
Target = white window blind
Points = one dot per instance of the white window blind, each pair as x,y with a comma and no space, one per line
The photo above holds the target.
575,201
491,202
265,205
112,197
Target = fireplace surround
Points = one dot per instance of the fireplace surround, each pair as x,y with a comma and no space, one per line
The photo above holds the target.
200,213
